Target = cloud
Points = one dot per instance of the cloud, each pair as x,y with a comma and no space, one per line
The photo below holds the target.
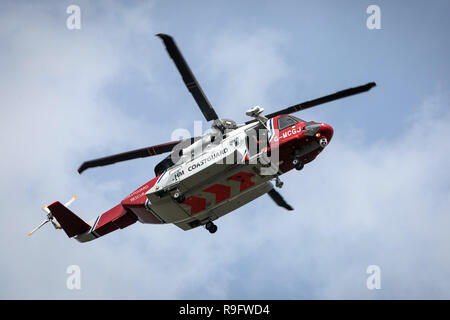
53,110
249,65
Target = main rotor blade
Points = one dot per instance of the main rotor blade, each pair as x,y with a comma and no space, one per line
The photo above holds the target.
279,200
312,103
129,155
188,78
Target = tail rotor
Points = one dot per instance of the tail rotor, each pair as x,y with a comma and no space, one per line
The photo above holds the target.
50,217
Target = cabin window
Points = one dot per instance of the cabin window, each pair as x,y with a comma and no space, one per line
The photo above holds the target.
285,122
256,139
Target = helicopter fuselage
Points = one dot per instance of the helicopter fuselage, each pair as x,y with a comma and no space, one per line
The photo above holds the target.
221,178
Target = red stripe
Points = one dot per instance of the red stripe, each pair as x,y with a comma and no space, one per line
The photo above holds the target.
197,204
221,191
244,178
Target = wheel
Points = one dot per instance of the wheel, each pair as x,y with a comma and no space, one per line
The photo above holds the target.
208,225
213,229
179,197
295,162
299,166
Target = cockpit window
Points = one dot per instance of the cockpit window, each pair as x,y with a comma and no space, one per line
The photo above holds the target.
298,119
285,122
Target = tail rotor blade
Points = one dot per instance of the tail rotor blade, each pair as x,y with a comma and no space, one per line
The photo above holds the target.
50,217
68,203
39,226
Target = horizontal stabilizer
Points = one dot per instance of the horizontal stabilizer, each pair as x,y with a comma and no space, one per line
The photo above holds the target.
69,221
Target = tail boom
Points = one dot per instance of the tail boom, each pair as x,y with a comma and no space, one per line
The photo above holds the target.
113,219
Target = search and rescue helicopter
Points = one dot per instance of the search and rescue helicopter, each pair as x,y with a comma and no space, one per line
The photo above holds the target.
206,177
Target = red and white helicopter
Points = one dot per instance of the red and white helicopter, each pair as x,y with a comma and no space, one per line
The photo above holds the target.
207,177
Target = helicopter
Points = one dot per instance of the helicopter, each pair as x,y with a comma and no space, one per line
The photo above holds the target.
204,178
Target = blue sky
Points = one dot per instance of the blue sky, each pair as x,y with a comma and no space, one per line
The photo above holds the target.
379,194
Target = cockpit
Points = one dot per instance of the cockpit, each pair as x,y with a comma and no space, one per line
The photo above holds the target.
288,121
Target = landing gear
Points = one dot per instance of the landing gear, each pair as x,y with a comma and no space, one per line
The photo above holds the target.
178,196
211,227
278,182
297,164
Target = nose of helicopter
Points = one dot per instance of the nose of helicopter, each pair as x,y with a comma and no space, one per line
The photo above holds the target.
326,131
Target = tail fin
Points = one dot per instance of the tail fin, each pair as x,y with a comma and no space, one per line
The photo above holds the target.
63,218
69,221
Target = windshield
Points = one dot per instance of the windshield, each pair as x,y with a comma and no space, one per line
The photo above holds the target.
285,122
